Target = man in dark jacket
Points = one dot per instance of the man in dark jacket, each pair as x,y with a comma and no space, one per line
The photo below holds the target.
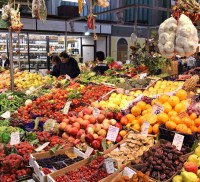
68,66
4,62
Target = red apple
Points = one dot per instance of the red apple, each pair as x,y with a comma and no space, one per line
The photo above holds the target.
80,133
91,125
76,142
118,116
80,114
73,131
90,130
77,125
84,124
113,121
62,125
87,111
102,112
100,118
110,115
95,136
97,127
96,144
89,138
72,120
106,121
119,138
79,120
68,128
102,132
92,119
65,136
118,125
100,138
71,139
124,120
66,120
191,167
86,117
106,126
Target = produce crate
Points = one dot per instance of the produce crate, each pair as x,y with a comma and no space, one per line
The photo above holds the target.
189,139
51,177
33,163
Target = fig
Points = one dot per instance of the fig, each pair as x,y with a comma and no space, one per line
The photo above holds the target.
170,156
159,162
158,168
166,171
162,177
176,162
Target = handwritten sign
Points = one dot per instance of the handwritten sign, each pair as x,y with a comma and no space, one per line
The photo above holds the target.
15,138
128,172
6,115
96,112
42,147
66,108
109,166
145,128
112,133
143,75
88,152
157,109
178,141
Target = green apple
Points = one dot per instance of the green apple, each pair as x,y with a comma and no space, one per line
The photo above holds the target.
197,151
193,158
189,177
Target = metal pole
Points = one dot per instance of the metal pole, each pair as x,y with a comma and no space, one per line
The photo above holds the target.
19,62
11,61
135,17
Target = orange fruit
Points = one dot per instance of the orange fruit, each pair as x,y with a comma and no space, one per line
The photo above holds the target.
187,121
193,116
130,117
162,118
141,105
150,129
141,120
182,128
181,94
173,100
152,119
197,122
198,129
167,107
136,127
163,98
172,113
148,106
170,125
134,121
175,119
194,128
156,128
179,107
136,111
189,131
144,112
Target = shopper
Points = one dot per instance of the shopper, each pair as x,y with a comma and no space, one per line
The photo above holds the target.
55,60
101,67
197,63
4,62
180,64
190,62
68,66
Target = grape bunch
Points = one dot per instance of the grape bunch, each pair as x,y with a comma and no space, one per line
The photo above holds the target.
146,99
194,108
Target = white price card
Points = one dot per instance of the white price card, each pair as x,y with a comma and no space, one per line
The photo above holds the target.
126,91
15,138
6,115
42,147
143,75
178,141
66,108
112,133
109,166
145,128
88,152
157,109
128,172
96,112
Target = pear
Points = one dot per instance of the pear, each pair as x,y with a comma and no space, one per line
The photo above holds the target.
177,178
198,173
189,177
197,151
193,158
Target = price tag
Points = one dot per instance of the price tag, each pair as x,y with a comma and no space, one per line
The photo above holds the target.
157,109
145,128
42,147
66,108
126,91
88,152
96,112
112,133
178,141
128,172
109,166
15,138
143,75
6,115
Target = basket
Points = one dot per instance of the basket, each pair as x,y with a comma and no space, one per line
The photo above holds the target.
189,139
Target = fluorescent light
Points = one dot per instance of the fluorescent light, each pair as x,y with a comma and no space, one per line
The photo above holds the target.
73,1
87,33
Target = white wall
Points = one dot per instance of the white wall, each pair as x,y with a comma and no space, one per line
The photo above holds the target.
101,44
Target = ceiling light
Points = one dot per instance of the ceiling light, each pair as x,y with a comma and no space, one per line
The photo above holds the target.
73,1
87,33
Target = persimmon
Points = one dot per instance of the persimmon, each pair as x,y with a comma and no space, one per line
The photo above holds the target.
181,94
173,100
170,125
187,121
182,128
162,118
167,107
163,98
130,117
189,131
141,105
171,113
180,108
136,111
136,127
193,116
194,128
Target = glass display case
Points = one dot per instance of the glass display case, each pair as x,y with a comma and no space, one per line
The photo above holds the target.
56,44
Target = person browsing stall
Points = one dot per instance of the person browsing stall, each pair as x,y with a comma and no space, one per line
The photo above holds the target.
4,62
55,60
68,66
100,67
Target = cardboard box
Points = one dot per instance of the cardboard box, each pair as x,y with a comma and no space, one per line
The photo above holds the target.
33,163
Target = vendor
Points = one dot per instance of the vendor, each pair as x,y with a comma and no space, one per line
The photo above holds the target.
101,67
4,62
68,66
55,60
197,63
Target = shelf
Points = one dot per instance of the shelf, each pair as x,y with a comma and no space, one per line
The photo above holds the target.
38,44
37,51
30,60
3,44
4,51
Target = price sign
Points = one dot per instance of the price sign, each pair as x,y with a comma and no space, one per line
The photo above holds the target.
88,152
66,108
128,172
126,91
109,166
15,138
96,112
6,115
157,109
143,75
42,147
145,128
178,141
112,133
